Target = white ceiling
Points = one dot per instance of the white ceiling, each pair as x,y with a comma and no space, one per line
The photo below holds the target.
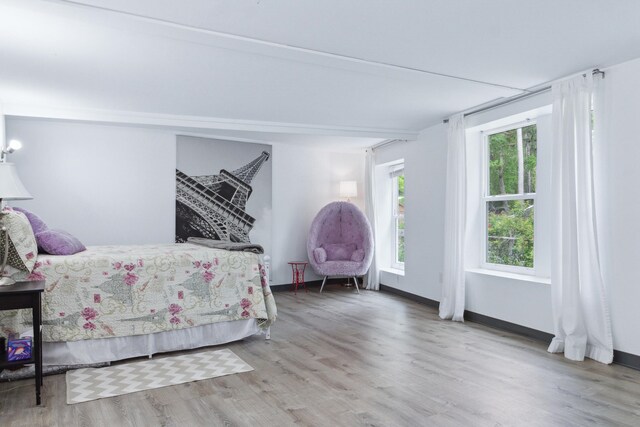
297,70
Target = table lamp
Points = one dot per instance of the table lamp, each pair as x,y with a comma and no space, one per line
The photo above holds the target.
348,189
11,188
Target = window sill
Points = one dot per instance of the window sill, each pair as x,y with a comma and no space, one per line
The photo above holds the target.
392,270
508,275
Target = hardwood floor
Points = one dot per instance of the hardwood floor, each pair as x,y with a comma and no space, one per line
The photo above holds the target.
338,358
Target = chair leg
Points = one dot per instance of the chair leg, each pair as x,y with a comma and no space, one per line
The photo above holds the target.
355,279
323,282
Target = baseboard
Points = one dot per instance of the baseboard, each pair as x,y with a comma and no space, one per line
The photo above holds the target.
619,357
313,284
287,286
626,359
507,326
409,295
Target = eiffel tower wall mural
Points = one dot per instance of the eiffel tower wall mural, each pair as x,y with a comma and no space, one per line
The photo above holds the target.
223,190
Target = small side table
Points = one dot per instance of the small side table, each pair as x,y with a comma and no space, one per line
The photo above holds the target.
297,269
22,295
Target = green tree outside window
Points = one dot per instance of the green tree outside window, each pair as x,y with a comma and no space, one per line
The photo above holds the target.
512,159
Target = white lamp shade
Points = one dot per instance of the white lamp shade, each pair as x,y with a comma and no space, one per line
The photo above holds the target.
348,189
11,187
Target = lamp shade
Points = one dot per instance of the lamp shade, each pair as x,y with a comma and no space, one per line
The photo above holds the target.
11,187
348,189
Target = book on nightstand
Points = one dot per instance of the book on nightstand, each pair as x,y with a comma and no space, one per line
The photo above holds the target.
18,348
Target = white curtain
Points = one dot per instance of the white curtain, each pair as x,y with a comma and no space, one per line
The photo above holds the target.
373,276
581,313
452,301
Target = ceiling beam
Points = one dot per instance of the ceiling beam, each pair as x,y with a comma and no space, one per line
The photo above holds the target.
172,121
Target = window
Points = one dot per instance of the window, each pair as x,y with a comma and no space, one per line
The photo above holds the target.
397,182
509,197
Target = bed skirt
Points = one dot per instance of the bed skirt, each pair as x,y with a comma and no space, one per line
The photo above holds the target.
112,349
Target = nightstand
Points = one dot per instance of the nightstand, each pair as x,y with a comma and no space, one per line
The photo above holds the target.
23,295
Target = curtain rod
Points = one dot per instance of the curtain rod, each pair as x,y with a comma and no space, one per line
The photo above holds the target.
517,98
387,142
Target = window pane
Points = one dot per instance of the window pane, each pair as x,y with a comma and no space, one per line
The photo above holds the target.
530,151
401,194
400,242
503,163
510,232
511,152
400,219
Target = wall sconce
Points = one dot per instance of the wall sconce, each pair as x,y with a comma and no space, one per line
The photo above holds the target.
348,189
13,145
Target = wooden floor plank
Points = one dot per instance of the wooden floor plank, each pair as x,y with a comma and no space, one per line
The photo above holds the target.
339,358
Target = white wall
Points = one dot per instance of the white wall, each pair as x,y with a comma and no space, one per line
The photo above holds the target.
104,184
424,171
618,211
617,180
116,184
304,180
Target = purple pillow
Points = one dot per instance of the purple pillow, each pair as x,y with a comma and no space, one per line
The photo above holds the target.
37,224
320,255
58,242
339,251
357,255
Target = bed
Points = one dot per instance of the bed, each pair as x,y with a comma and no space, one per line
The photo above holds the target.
115,302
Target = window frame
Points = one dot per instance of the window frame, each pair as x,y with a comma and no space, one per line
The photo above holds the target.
486,198
395,216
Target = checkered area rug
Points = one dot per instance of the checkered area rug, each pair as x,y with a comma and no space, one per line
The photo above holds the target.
97,383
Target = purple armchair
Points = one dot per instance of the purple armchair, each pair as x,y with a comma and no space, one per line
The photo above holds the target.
340,242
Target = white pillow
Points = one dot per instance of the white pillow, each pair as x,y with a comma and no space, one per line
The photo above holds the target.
23,248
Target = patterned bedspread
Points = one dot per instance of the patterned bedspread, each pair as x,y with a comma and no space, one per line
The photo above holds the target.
115,291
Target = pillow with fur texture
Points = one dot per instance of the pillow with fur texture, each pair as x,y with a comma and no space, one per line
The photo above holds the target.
320,255
339,251
357,255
